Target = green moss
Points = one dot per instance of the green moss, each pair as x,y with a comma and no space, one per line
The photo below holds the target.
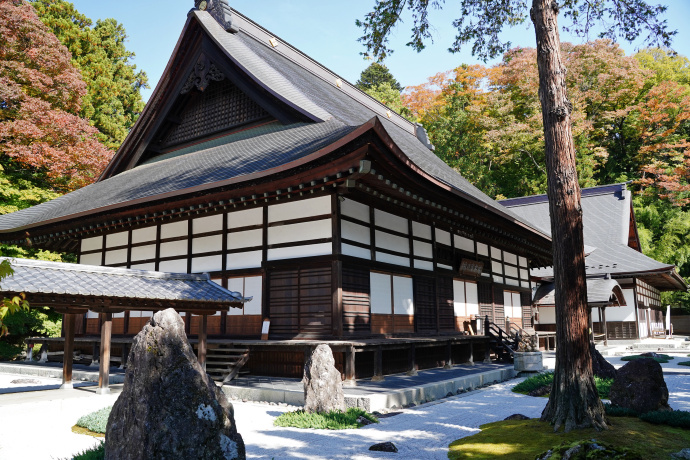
658,358
96,421
540,380
684,363
525,439
334,420
677,418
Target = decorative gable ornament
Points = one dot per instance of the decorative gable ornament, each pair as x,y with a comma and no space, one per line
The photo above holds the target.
204,71
221,12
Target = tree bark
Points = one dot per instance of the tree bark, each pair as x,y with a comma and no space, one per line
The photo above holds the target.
574,401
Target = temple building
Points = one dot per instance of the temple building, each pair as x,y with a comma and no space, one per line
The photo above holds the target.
258,166
619,276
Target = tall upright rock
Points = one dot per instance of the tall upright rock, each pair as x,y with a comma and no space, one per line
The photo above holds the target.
169,407
323,385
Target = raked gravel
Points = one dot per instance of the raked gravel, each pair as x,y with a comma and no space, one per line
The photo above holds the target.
37,425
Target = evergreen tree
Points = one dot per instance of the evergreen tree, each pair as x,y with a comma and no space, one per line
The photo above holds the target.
113,99
375,75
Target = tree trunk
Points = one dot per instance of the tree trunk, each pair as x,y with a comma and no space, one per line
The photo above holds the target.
574,402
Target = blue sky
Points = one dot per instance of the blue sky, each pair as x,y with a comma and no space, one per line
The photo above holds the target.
324,30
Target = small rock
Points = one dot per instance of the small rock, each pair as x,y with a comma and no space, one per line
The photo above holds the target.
364,421
449,394
685,453
244,399
384,447
516,417
541,391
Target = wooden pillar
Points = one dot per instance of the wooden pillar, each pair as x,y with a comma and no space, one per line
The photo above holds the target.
202,341
104,369
411,361
125,355
95,352
606,329
350,366
378,364
449,356
68,357
591,326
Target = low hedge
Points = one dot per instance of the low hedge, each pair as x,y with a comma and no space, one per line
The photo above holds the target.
537,381
333,420
96,421
661,359
676,418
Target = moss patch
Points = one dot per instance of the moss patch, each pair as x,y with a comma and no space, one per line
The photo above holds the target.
81,430
334,420
525,439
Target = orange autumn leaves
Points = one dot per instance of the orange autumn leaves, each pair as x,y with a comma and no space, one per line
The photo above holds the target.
40,92
627,124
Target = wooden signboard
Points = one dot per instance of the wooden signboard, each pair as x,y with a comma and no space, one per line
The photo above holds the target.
264,329
471,267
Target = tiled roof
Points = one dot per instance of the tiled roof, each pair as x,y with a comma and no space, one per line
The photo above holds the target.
599,291
42,277
606,219
290,77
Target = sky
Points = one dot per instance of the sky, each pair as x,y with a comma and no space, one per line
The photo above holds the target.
325,30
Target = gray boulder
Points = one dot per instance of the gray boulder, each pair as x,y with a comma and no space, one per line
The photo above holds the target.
601,367
169,408
640,386
323,385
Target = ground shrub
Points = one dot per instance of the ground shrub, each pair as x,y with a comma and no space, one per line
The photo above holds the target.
661,359
525,439
684,363
95,421
617,411
546,379
333,420
95,453
677,418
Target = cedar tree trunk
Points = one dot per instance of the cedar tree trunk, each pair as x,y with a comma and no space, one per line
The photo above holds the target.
574,401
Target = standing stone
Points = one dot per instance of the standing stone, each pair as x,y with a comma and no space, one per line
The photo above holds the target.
640,386
323,386
169,407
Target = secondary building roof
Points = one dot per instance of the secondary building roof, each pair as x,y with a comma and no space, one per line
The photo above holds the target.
73,285
611,233
601,292
296,108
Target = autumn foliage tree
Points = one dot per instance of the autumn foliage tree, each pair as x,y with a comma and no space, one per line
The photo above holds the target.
40,92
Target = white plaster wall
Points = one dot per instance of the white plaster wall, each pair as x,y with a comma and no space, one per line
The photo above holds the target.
300,232
174,248
482,249
459,305
91,244
236,285
117,256
447,267
117,239
173,266
423,264
207,264
509,258
522,261
90,259
495,253
174,229
403,299
144,252
207,244
392,242
547,315
355,210
517,307
471,298
391,259
512,282
251,259
496,267
421,230
245,218
143,235
510,271
355,251
524,274
381,300
443,237
253,288
422,249
626,313
299,209
207,224
463,243
246,239
308,250
390,221
355,232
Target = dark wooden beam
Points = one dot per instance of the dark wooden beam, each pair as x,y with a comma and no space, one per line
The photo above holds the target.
68,355
104,370
378,365
202,341
350,374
